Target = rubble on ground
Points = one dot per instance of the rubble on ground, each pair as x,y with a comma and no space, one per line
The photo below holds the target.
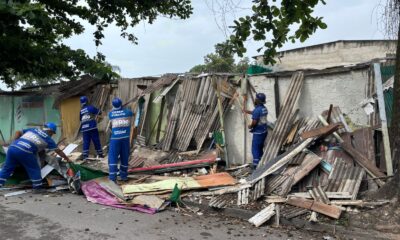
313,168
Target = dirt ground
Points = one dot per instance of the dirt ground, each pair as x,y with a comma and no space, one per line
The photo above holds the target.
68,216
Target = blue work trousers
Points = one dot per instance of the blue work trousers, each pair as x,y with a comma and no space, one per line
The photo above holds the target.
29,161
257,147
88,136
119,148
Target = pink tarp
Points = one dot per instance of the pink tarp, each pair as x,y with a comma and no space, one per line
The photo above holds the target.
96,194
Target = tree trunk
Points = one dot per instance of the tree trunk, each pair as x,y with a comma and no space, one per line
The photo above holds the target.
395,124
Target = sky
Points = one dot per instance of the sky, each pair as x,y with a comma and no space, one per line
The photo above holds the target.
174,46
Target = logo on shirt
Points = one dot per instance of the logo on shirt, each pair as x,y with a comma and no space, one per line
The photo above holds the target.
120,123
86,117
24,144
119,132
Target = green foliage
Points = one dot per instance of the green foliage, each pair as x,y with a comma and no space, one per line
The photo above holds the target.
276,19
32,33
221,61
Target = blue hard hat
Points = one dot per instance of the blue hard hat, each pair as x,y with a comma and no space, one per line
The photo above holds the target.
117,102
84,100
50,126
261,97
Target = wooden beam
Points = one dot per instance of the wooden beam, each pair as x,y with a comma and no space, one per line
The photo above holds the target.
263,216
310,162
325,123
382,116
328,210
330,195
283,161
328,118
363,162
322,131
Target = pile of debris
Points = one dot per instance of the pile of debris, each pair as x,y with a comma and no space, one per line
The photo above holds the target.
309,166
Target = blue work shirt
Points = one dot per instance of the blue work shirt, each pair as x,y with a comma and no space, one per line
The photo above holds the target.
260,114
34,140
120,123
87,117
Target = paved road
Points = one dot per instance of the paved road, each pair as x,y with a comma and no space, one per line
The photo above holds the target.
67,216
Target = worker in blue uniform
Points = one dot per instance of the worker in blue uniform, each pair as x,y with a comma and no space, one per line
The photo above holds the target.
120,119
23,151
88,128
258,127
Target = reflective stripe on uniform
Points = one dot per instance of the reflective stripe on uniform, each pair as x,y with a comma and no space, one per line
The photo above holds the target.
88,129
21,149
259,133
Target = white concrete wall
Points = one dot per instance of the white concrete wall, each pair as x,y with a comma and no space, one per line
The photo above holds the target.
345,90
331,54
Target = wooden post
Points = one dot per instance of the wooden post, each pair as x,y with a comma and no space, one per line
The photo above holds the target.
277,100
382,115
160,121
134,109
328,119
244,94
221,119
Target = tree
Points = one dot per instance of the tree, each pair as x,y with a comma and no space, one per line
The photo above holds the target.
392,16
221,61
32,34
271,17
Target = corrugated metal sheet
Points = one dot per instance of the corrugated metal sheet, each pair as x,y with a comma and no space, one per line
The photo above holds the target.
282,126
387,72
289,212
345,178
388,95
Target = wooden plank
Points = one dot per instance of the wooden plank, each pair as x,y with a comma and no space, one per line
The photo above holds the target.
281,162
359,203
325,123
328,210
382,116
322,131
263,216
363,162
275,199
330,195
309,163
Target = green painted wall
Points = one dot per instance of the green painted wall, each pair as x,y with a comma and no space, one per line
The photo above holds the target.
154,111
20,112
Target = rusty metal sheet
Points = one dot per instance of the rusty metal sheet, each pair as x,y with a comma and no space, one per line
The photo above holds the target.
363,140
214,180
289,212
